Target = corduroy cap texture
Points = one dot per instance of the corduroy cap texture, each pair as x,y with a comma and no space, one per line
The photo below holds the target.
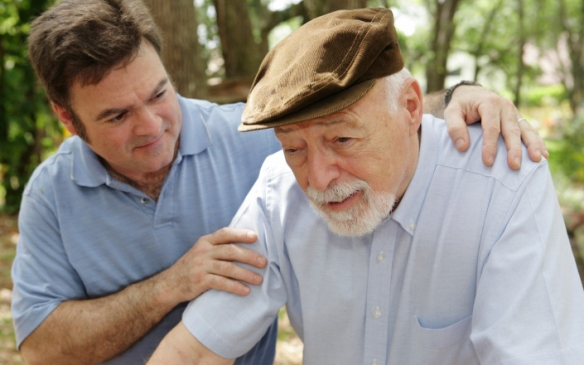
323,67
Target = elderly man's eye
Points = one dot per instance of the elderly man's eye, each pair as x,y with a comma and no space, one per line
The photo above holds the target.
343,139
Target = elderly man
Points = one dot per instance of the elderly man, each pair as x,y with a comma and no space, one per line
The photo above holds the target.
105,262
386,244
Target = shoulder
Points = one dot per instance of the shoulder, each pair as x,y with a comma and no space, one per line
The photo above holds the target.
276,182
276,169
56,168
196,109
437,142
220,122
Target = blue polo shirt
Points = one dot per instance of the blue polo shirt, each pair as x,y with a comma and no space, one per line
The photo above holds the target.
84,234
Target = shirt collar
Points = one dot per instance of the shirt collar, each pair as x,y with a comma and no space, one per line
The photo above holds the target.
87,170
406,215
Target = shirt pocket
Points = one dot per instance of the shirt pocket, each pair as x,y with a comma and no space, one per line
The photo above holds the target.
441,338
438,346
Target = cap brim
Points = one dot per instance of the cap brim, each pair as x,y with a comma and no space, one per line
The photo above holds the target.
324,107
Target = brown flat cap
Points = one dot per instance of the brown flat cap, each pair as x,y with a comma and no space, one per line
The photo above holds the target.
323,67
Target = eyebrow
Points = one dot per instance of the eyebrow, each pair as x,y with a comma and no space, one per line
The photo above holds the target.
327,123
115,111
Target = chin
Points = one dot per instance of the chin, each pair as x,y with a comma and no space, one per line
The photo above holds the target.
361,220
352,228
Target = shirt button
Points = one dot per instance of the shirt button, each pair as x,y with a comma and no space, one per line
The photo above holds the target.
143,200
377,312
412,225
374,362
380,256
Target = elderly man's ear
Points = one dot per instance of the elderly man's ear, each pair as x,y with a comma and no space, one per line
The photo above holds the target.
412,93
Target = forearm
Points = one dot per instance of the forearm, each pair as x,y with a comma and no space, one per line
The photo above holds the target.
94,330
434,104
181,347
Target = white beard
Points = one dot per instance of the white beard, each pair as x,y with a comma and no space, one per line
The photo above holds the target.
360,219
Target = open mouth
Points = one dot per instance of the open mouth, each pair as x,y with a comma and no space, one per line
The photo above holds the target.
339,205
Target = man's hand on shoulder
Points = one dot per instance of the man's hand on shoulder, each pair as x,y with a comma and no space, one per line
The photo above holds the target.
498,116
211,264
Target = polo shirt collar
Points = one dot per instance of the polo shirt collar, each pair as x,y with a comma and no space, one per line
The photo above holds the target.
87,170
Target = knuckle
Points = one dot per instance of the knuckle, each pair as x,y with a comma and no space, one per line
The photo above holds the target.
514,132
223,267
222,232
490,145
231,251
494,99
455,129
506,103
493,129
200,276
215,282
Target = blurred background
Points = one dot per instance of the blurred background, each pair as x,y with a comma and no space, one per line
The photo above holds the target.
530,51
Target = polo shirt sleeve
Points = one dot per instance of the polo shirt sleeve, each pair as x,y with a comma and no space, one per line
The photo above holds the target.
529,306
42,275
228,324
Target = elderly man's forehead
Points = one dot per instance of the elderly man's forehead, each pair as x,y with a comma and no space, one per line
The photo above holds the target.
341,119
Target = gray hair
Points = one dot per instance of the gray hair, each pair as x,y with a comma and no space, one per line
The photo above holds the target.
394,84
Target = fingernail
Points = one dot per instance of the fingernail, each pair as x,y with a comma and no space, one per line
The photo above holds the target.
459,143
517,161
250,234
539,155
490,160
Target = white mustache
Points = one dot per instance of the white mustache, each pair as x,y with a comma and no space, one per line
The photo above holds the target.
336,193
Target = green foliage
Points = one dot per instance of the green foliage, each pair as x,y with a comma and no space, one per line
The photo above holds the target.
566,152
27,130
546,95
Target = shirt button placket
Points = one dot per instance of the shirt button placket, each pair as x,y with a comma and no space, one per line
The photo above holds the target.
380,257
377,312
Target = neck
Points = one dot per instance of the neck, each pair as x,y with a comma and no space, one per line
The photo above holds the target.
150,184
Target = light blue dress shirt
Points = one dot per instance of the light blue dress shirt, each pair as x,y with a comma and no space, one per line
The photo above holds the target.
473,267
84,234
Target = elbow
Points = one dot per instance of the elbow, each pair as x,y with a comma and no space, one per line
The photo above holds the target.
32,355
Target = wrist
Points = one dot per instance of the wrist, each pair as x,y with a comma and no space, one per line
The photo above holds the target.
164,294
450,91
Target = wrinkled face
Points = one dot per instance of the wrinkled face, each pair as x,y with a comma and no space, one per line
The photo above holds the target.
354,164
132,118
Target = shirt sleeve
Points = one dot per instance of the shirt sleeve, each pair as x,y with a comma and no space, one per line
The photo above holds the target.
229,324
41,272
529,301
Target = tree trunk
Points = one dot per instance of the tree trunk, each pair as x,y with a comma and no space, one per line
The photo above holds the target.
268,20
440,47
181,52
573,73
520,46
240,52
478,51
3,116
316,8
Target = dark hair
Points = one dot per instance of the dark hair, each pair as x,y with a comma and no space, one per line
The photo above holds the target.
82,40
